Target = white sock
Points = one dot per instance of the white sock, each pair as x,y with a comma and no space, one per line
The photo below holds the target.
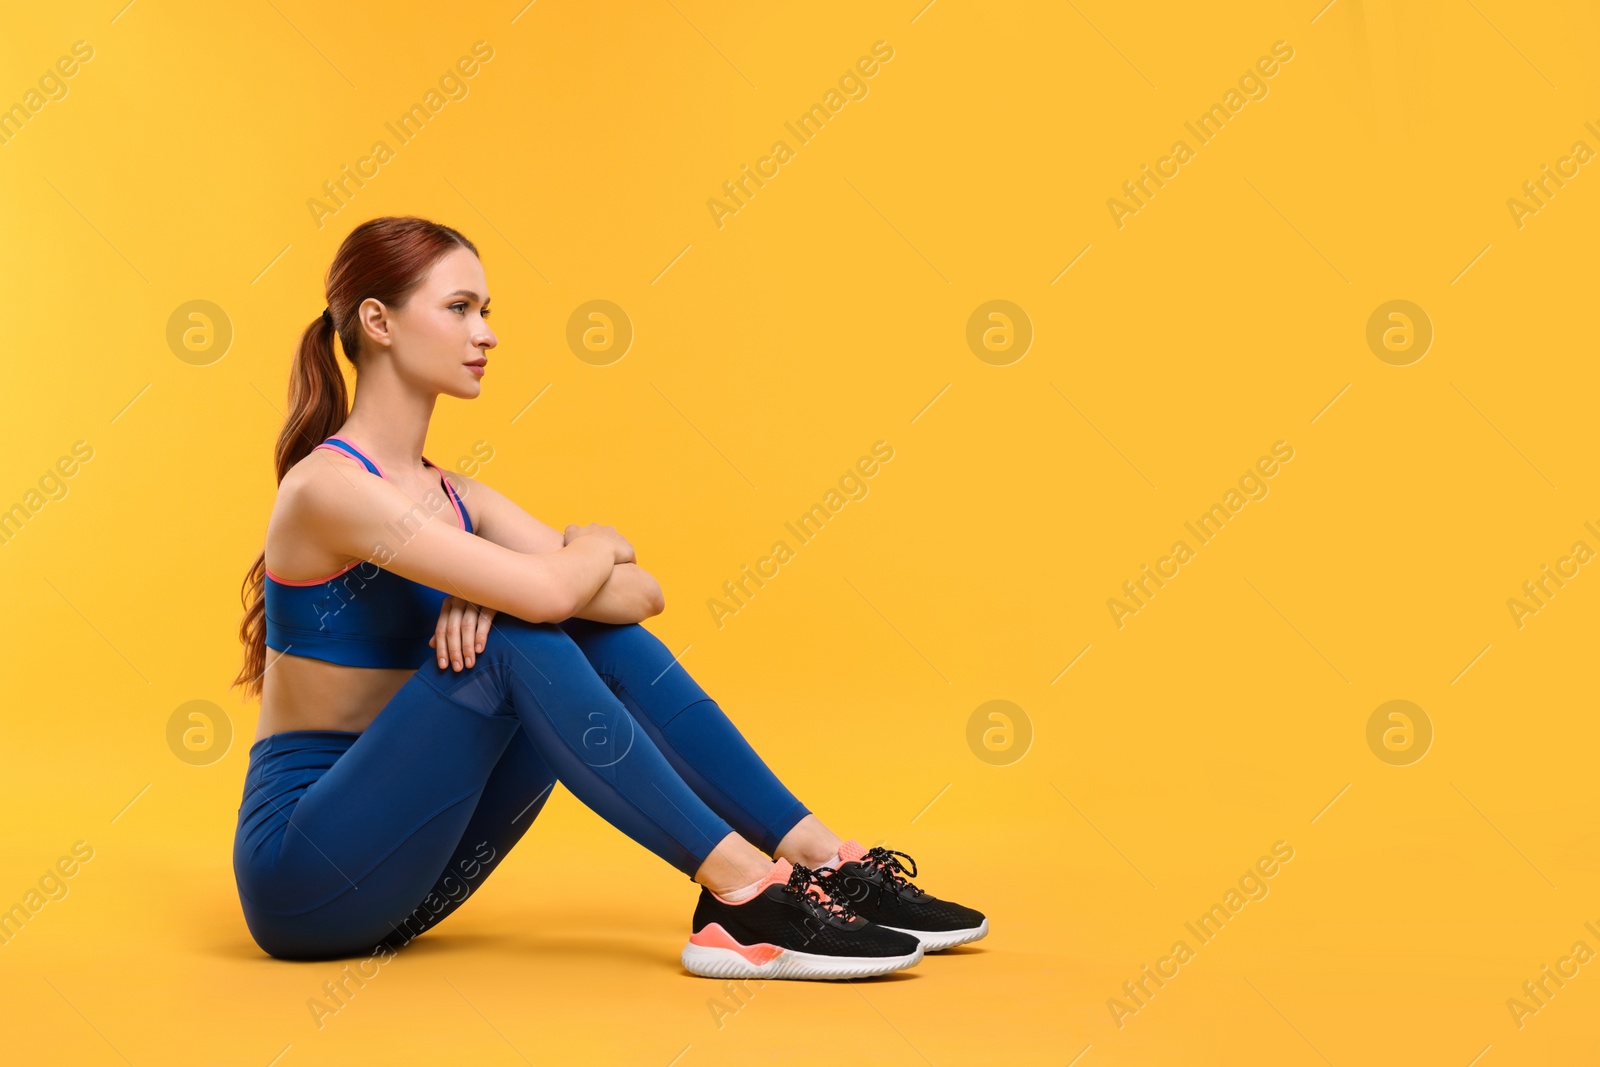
833,861
743,893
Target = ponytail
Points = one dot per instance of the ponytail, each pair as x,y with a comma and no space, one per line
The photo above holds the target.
318,406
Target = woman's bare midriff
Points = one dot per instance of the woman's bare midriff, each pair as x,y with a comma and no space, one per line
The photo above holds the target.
299,693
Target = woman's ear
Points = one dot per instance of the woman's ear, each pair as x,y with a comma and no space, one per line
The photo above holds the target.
373,319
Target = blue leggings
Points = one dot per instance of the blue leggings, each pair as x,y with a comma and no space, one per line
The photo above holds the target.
354,843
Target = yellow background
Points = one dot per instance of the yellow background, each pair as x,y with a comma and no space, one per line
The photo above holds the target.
831,312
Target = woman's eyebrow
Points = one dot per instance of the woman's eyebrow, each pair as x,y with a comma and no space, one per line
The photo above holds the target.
469,292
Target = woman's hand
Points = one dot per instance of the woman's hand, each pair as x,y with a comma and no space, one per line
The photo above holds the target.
462,628
621,548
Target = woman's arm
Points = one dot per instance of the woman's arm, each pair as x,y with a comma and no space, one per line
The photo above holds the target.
369,519
498,518
630,594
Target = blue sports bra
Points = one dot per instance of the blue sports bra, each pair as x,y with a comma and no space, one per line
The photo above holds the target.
361,616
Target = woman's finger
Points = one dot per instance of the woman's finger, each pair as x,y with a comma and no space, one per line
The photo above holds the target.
452,630
441,648
468,631
484,615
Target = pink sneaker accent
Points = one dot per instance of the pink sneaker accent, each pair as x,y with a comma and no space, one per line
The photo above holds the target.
714,936
851,851
779,873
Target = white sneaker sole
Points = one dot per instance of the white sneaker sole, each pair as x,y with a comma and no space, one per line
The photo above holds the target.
709,962
933,941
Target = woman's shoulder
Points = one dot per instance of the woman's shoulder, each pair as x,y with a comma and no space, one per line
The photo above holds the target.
321,459
311,490
320,471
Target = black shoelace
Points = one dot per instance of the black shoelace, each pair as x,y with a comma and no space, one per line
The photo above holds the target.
801,881
895,875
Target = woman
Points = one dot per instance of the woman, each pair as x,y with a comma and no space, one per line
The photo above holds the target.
386,782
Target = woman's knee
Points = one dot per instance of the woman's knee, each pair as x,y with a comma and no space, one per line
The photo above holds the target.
509,629
589,632
612,647
505,624
514,640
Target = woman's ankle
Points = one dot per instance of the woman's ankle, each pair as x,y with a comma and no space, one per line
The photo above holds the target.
809,842
734,864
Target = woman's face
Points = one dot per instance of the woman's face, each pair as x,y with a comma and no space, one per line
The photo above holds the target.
436,336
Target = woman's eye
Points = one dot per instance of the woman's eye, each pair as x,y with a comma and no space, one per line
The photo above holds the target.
462,306
485,312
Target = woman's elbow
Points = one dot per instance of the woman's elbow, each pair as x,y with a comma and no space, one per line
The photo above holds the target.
550,608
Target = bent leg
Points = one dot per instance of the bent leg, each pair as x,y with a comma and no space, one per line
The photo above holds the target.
340,834
515,794
536,675
691,730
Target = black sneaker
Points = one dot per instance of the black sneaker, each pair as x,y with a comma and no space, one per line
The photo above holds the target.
791,928
874,883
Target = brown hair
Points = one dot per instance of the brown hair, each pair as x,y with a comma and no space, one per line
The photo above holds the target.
385,259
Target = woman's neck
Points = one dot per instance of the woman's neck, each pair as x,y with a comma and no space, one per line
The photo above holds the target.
391,425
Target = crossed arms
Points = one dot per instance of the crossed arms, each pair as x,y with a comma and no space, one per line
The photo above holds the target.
631,594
